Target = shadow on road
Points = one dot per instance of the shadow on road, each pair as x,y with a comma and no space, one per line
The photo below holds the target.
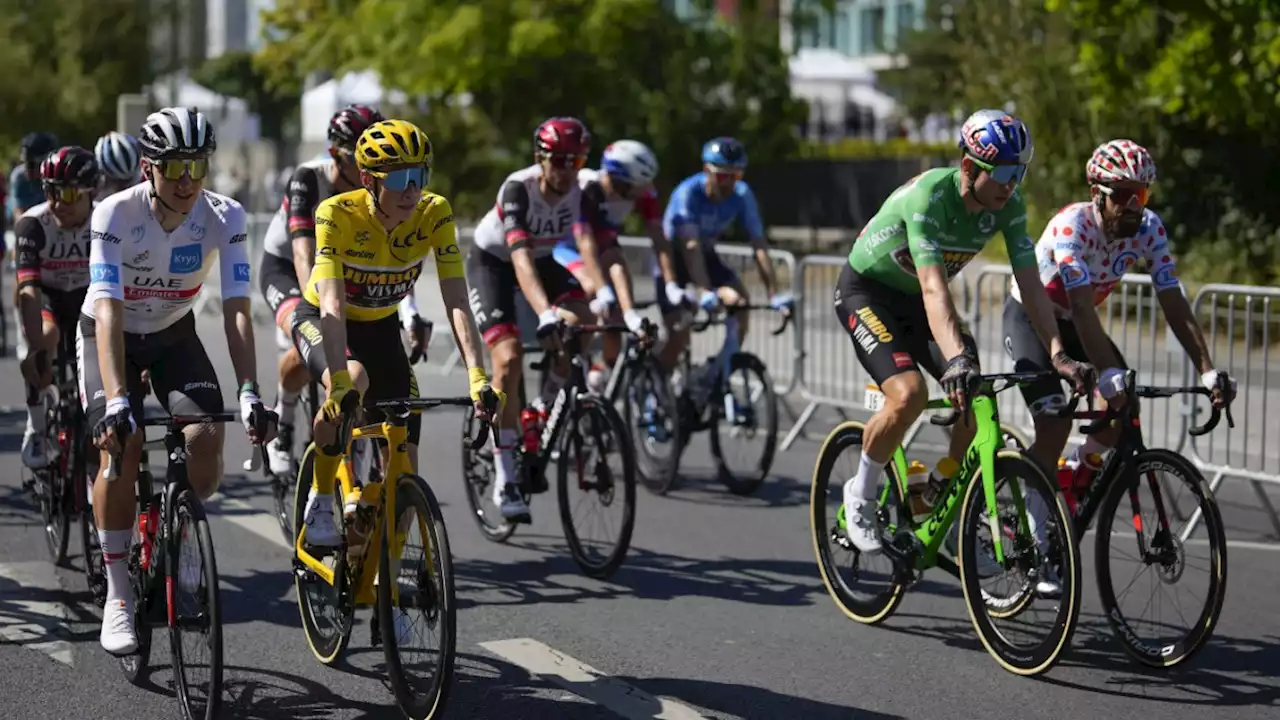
704,488
750,701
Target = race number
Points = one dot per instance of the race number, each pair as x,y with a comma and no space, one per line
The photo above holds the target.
873,399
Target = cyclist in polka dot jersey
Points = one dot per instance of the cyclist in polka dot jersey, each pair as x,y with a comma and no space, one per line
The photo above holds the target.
1082,255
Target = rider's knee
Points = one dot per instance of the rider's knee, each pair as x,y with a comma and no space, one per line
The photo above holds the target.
359,377
506,354
907,393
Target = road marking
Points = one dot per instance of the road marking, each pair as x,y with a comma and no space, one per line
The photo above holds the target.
581,679
27,620
240,513
1244,544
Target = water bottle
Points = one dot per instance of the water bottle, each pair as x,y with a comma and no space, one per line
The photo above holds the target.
529,421
1066,483
917,486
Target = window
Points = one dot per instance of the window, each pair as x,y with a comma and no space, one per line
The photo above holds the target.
906,17
818,28
871,21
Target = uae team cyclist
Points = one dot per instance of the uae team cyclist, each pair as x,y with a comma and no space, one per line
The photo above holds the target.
119,157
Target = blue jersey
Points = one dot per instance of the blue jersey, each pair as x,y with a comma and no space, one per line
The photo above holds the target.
23,192
691,214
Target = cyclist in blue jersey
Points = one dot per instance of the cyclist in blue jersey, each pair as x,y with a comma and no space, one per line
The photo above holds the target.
700,209
25,190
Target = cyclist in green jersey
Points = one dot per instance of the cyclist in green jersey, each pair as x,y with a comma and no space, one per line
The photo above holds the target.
894,300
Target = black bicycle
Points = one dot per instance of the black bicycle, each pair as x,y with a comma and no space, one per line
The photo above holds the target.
173,588
731,378
580,447
282,490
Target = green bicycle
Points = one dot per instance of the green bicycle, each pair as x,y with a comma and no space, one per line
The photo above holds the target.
998,538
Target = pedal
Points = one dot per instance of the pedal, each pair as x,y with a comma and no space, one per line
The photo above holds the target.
522,519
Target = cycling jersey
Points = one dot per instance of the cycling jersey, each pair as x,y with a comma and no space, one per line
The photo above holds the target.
296,216
607,223
158,274
48,256
691,214
380,269
1075,252
925,223
524,218
24,192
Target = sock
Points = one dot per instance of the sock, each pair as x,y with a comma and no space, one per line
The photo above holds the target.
504,459
866,481
286,401
116,545
1090,446
325,472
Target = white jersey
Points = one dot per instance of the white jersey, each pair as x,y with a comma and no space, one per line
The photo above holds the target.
523,218
1073,252
309,185
49,256
157,274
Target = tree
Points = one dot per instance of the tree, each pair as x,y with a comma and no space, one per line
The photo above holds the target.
234,74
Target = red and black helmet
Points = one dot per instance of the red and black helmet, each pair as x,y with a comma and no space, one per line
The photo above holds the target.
346,125
71,167
562,136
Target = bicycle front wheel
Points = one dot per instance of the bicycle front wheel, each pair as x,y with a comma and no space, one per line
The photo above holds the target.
654,419
1038,544
592,435
745,421
195,620
1143,535
327,611
415,562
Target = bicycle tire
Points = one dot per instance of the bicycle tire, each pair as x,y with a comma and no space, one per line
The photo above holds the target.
746,483
186,503
283,493
880,606
412,490
477,475
326,647
55,507
607,417
134,666
1042,657
657,474
1183,650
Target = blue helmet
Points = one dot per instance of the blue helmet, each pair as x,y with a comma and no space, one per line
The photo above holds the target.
724,152
995,136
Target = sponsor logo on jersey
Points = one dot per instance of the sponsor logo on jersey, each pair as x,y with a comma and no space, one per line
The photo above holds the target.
198,232
66,251
953,261
138,232
879,237
1123,262
241,272
902,360
379,289
239,238
402,246
105,237
321,220
870,332
450,249
1073,276
986,223
185,259
104,273
364,254
1165,277
442,222
362,237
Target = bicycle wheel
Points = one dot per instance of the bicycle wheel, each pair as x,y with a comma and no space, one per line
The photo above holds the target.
134,666
596,430
1030,546
654,418
755,418
1161,550
866,596
425,591
196,622
327,612
56,501
478,474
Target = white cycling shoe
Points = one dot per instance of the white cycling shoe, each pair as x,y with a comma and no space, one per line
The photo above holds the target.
118,635
321,530
860,521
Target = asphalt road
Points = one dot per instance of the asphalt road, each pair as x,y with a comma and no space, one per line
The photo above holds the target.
719,608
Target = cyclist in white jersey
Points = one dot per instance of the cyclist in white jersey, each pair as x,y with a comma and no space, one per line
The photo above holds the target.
52,257
1083,253
152,247
118,157
513,252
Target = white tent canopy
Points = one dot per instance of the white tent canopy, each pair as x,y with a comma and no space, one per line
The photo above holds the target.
321,102
831,81
232,121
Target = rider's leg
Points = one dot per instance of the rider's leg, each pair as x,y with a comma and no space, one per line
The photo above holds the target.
507,354
615,267
566,294
33,446
731,290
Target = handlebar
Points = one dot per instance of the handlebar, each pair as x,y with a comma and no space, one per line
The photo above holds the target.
709,319
403,407
1103,419
172,424
985,384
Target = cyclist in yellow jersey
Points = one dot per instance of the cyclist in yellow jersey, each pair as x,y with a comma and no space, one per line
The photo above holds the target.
370,248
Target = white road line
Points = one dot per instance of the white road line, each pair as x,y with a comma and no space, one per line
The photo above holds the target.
30,622
1244,544
255,520
581,679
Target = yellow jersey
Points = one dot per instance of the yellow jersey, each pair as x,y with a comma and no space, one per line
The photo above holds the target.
378,268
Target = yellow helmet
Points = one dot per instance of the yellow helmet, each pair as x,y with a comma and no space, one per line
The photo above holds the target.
393,142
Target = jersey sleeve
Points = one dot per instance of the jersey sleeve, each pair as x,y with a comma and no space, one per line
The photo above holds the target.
750,212
680,221
1068,250
647,206
15,184
591,215
1164,271
513,207
444,238
923,219
1018,244
29,241
331,226
104,254
304,196
233,254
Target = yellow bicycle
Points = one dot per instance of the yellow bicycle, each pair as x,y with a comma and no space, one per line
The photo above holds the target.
331,586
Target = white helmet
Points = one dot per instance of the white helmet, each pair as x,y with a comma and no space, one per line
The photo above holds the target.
177,132
630,161
1120,160
118,155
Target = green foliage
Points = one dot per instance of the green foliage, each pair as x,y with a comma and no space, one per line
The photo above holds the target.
866,149
627,67
65,64
235,74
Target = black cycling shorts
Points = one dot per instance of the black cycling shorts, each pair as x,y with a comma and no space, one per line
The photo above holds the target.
1030,355
494,287
62,307
375,344
889,328
182,377
278,281
718,274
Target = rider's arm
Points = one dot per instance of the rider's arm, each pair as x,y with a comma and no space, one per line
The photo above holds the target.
647,207
1022,258
922,224
453,289
681,228
1177,311
327,279
755,230
304,196
584,235
514,201
408,311
30,240
1073,269
233,257
106,292
16,208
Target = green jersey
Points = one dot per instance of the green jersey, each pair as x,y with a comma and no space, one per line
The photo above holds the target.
925,223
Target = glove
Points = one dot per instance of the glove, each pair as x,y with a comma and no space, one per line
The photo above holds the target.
634,321
548,321
248,399
1222,382
339,385
675,293
603,300
1112,382
709,301
690,296
782,302
957,380
478,380
118,417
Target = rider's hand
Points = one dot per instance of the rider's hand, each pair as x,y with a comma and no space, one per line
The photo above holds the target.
419,337
1222,385
634,322
478,381
36,369
109,432
783,303
259,423
548,323
1112,385
675,294
1082,376
604,299
959,379
339,385
709,301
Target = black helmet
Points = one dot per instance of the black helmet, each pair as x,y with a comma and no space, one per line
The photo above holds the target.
36,145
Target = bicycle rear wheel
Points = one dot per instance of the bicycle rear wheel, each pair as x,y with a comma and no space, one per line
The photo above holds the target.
327,611
595,430
654,419
425,591
478,475
55,510
1161,551
749,389
196,621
